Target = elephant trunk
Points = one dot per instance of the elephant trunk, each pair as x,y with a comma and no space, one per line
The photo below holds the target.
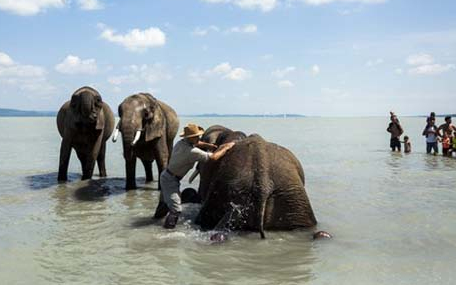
87,109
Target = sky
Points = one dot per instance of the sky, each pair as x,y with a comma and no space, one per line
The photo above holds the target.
309,57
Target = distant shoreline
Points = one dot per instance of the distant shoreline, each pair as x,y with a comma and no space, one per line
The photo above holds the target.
23,113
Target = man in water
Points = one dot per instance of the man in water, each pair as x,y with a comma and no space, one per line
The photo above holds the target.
447,127
430,131
396,131
185,153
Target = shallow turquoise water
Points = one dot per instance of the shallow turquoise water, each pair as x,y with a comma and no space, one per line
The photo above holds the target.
393,216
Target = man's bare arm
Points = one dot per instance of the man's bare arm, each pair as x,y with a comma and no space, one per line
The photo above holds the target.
221,151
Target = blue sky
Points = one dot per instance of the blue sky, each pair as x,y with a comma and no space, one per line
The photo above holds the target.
313,57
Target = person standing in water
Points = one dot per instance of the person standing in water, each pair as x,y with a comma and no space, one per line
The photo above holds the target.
185,154
407,145
395,129
430,132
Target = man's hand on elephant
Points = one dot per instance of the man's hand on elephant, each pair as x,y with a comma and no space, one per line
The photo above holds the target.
227,146
220,152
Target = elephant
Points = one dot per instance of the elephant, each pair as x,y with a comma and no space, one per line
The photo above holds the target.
217,135
256,186
212,133
148,128
84,123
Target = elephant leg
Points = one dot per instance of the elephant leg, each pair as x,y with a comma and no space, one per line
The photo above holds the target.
101,160
148,170
161,157
130,167
65,153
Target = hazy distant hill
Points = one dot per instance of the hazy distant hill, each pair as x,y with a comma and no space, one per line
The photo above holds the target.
247,115
20,113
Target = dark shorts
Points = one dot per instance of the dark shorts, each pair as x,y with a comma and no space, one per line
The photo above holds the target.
395,143
431,146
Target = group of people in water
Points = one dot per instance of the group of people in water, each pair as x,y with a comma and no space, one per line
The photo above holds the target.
444,134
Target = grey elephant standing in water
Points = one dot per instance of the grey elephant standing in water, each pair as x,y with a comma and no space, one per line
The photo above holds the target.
256,186
84,123
148,128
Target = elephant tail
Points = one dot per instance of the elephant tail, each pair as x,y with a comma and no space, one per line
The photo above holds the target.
262,211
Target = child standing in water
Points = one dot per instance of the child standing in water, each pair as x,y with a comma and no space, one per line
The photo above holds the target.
446,143
407,145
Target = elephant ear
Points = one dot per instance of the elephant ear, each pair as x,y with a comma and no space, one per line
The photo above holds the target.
155,121
100,120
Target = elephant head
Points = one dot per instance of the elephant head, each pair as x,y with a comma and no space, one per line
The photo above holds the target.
86,105
217,135
141,119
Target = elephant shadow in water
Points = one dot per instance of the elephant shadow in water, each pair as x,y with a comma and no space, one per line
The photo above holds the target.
47,180
99,189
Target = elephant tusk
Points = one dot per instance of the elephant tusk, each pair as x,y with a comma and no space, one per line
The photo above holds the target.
116,134
137,136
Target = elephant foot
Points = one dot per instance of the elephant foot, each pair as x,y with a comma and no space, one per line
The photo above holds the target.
322,235
130,186
62,179
86,177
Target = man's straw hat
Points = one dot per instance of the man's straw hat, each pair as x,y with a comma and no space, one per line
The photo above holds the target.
192,130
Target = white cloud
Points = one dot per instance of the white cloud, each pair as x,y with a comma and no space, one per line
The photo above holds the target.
22,76
246,29
285,84
281,73
90,4
263,5
74,65
420,59
374,62
222,68
225,70
423,64
29,7
431,69
141,73
5,59
398,71
238,74
135,40
201,32
315,69
322,2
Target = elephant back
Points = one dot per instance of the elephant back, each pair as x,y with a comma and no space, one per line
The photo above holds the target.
213,132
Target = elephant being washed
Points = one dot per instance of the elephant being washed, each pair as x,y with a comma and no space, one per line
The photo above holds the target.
256,186
84,123
148,128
